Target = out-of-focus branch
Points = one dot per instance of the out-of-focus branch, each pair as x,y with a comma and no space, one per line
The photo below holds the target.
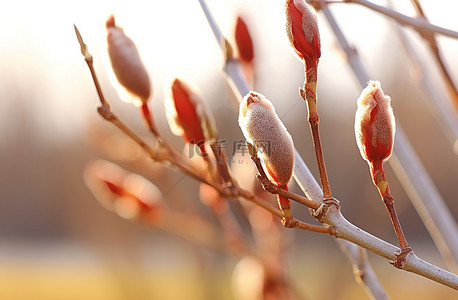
441,109
436,218
364,274
435,49
405,162
420,25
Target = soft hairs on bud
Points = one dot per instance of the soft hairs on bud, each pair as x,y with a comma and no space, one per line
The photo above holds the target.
127,64
374,124
264,130
302,31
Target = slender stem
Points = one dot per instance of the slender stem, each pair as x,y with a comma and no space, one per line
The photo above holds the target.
380,181
309,227
389,203
298,198
308,93
109,116
148,117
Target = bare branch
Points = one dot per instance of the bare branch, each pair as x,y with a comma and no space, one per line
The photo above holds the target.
420,25
364,274
405,162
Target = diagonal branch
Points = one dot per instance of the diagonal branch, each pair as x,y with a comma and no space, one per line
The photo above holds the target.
435,49
420,25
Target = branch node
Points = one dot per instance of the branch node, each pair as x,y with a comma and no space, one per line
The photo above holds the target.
401,257
322,211
288,222
105,112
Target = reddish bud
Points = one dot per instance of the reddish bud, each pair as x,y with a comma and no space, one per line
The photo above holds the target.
243,41
131,196
265,131
374,126
302,31
188,114
127,65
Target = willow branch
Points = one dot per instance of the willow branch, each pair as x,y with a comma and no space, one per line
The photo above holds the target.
405,162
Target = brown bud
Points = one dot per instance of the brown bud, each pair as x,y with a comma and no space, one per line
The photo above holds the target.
264,130
127,65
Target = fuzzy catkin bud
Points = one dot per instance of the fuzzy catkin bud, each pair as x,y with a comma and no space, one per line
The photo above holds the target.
374,125
302,31
264,130
188,115
127,65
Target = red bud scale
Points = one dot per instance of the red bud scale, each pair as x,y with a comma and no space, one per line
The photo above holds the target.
302,31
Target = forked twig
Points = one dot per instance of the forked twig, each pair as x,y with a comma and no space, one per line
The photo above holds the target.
333,217
405,162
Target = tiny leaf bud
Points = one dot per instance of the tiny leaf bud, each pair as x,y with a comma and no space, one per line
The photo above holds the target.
127,65
188,115
264,130
374,126
302,31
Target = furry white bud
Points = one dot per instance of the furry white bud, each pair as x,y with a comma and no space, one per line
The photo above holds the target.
265,131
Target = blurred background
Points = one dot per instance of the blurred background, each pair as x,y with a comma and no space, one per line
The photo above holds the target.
57,242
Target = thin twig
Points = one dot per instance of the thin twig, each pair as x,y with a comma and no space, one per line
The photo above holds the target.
442,110
308,93
435,49
419,25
